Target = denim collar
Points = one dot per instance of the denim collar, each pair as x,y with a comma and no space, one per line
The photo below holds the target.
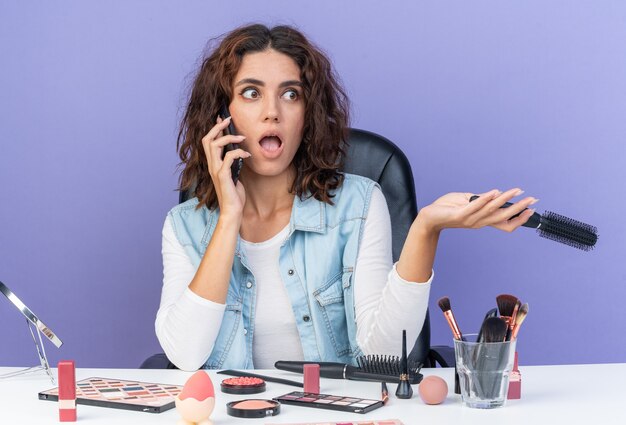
307,215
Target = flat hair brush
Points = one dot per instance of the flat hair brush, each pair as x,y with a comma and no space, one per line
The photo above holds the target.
370,368
559,228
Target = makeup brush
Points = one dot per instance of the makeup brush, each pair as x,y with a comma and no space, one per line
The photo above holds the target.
493,329
518,304
444,305
508,306
480,338
491,313
561,229
404,389
446,308
384,392
519,319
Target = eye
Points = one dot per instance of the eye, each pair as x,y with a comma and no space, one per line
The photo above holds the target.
291,94
250,93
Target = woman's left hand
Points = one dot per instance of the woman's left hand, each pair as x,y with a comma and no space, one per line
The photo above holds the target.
454,210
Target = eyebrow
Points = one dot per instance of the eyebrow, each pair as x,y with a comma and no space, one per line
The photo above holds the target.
256,82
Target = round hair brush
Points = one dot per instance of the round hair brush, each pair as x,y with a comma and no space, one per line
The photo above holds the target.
560,228
565,230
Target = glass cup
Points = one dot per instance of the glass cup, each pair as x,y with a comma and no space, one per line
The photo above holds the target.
483,370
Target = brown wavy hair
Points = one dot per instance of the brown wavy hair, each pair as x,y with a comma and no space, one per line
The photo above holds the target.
320,157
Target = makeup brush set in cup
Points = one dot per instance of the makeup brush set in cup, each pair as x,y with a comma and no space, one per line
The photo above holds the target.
484,361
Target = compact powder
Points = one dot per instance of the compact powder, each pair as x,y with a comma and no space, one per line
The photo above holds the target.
253,408
243,385
254,404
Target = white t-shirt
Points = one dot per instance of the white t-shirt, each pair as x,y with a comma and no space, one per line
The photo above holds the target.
187,324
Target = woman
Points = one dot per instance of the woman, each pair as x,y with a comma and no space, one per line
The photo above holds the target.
293,261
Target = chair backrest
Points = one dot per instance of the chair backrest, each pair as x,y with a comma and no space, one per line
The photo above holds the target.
377,158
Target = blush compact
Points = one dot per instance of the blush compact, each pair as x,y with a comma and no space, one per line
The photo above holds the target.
253,408
243,385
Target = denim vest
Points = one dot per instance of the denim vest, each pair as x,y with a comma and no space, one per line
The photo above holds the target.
316,264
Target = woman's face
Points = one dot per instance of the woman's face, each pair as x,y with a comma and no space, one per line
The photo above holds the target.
268,109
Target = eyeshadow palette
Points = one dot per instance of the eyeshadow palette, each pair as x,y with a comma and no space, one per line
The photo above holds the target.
119,394
331,402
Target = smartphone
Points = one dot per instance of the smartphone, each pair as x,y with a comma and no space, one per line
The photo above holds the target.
235,169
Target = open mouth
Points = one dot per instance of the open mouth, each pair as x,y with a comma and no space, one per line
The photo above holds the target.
271,144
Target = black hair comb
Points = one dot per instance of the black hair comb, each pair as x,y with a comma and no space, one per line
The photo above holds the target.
370,368
560,228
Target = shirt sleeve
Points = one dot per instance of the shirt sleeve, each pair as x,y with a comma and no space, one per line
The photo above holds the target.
385,303
186,324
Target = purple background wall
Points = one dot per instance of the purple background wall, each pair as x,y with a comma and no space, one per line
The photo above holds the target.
479,94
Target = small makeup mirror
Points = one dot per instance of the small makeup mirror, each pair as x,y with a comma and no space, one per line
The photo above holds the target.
40,328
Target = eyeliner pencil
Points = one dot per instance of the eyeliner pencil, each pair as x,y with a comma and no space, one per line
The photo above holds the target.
385,392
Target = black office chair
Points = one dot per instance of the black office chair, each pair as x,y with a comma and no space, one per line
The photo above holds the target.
377,158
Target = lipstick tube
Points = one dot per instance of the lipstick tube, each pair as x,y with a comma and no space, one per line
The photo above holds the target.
312,378
67,391
515,382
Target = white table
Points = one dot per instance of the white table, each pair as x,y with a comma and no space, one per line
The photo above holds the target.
575,394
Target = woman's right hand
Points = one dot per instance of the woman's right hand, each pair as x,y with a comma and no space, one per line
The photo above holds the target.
231,198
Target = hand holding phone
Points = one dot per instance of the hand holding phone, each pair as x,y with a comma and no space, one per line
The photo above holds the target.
235,169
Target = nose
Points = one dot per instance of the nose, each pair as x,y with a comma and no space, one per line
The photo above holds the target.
271,113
